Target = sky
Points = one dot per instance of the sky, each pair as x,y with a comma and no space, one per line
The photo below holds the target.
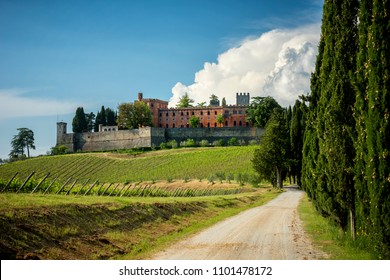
56,56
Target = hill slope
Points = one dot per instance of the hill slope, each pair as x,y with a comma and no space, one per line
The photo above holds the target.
197,163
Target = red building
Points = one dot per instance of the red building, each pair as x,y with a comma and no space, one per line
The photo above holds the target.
233,115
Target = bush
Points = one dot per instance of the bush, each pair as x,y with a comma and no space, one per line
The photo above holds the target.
218,143
233,142
204,143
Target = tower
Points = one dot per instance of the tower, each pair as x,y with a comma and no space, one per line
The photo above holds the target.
242,99
61,132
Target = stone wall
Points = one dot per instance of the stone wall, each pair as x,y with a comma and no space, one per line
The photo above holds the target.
148,137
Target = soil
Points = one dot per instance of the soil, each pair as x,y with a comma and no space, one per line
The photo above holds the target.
272,231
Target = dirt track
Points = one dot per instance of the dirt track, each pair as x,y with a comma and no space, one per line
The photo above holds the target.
271,231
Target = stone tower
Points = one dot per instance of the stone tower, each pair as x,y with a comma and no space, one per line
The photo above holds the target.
61,132
242,99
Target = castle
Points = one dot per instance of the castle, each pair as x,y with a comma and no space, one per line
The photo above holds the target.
168,124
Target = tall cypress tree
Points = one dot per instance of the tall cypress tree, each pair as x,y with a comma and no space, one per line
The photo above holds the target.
329,143
376,124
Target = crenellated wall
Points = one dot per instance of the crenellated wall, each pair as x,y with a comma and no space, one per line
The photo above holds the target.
148,137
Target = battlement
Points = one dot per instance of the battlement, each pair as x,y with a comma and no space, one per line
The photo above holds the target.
242,99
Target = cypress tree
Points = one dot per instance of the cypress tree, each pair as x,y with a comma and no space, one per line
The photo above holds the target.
376,125
328,148
79,123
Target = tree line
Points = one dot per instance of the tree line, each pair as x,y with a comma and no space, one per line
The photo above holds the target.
340,147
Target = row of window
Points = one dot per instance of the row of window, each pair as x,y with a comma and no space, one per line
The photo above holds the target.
234,112
208,124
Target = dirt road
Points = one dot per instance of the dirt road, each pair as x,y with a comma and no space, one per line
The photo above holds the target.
272,231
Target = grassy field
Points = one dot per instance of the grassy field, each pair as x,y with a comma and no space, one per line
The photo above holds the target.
60,227
196,163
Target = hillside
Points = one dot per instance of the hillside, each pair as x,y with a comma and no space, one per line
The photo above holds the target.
195,163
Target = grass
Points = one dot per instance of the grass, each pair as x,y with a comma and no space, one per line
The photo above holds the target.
337,244
59,227
191,163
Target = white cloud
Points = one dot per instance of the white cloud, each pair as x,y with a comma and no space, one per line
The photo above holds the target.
278,63
21,103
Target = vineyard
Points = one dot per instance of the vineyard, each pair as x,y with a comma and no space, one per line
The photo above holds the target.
114,174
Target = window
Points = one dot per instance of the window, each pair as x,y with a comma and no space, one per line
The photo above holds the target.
215,113
240,123
208,113
173,114
226,123
215,124
182,113
208,124
234,123
173,125
166,114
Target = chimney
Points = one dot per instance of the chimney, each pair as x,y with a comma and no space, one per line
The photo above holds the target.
140,96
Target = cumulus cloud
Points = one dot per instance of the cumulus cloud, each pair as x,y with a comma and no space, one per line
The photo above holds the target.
22,103
278,64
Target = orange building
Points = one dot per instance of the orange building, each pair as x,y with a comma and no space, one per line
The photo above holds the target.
233,115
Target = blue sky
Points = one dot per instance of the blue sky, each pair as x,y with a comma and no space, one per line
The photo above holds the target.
58,55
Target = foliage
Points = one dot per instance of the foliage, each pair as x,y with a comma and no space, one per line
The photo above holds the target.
220,120
133,116
271,158
59,150
23,140
233,141
260,110
185,101
194,121
79,123
214,101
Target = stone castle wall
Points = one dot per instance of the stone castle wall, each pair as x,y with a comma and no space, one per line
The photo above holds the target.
148,137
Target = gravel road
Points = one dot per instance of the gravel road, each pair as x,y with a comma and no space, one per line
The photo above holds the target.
272,231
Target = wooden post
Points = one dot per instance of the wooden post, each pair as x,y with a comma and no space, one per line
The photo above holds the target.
83,186
109,185
90,188
101,186
71,187
44,178
25,182
10,181
114,189
63,186
55,179
128,187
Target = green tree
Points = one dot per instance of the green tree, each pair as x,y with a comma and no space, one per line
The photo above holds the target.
79,123
331,125
271,159
260,110
90,117
372,113
110,117
220,120
21,141
194,121
224,101
296,139
185,101
133,116
214,101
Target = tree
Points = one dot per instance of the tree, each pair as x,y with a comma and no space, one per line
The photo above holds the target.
194,121
185,101
23,140
110,117
133,116
220,120
271,158
296,139
372,162
214,101
90,118
224,101
201,104
79,123
329,169
260,110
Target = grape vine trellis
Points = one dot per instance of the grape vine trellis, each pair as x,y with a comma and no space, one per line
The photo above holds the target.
74,186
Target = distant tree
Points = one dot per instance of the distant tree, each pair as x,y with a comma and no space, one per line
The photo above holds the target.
194,121
90,117
220,120
260,110
214,100
133,116
79,123
271,159
59,150
201,104
224,101
110,117
185,101
23,140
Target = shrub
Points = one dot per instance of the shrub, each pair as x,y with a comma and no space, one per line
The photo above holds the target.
218,143
233,142
204,143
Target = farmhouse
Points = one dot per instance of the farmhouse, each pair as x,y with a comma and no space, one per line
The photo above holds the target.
168,124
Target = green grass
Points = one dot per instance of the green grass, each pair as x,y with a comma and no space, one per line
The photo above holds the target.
196,163
337,244
59,227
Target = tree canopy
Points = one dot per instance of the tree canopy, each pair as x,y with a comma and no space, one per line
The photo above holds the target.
21,141
260,110
185,101
133,116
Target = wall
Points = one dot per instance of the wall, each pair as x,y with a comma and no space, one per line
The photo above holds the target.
149,137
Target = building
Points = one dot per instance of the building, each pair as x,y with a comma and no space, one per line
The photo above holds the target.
232,115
